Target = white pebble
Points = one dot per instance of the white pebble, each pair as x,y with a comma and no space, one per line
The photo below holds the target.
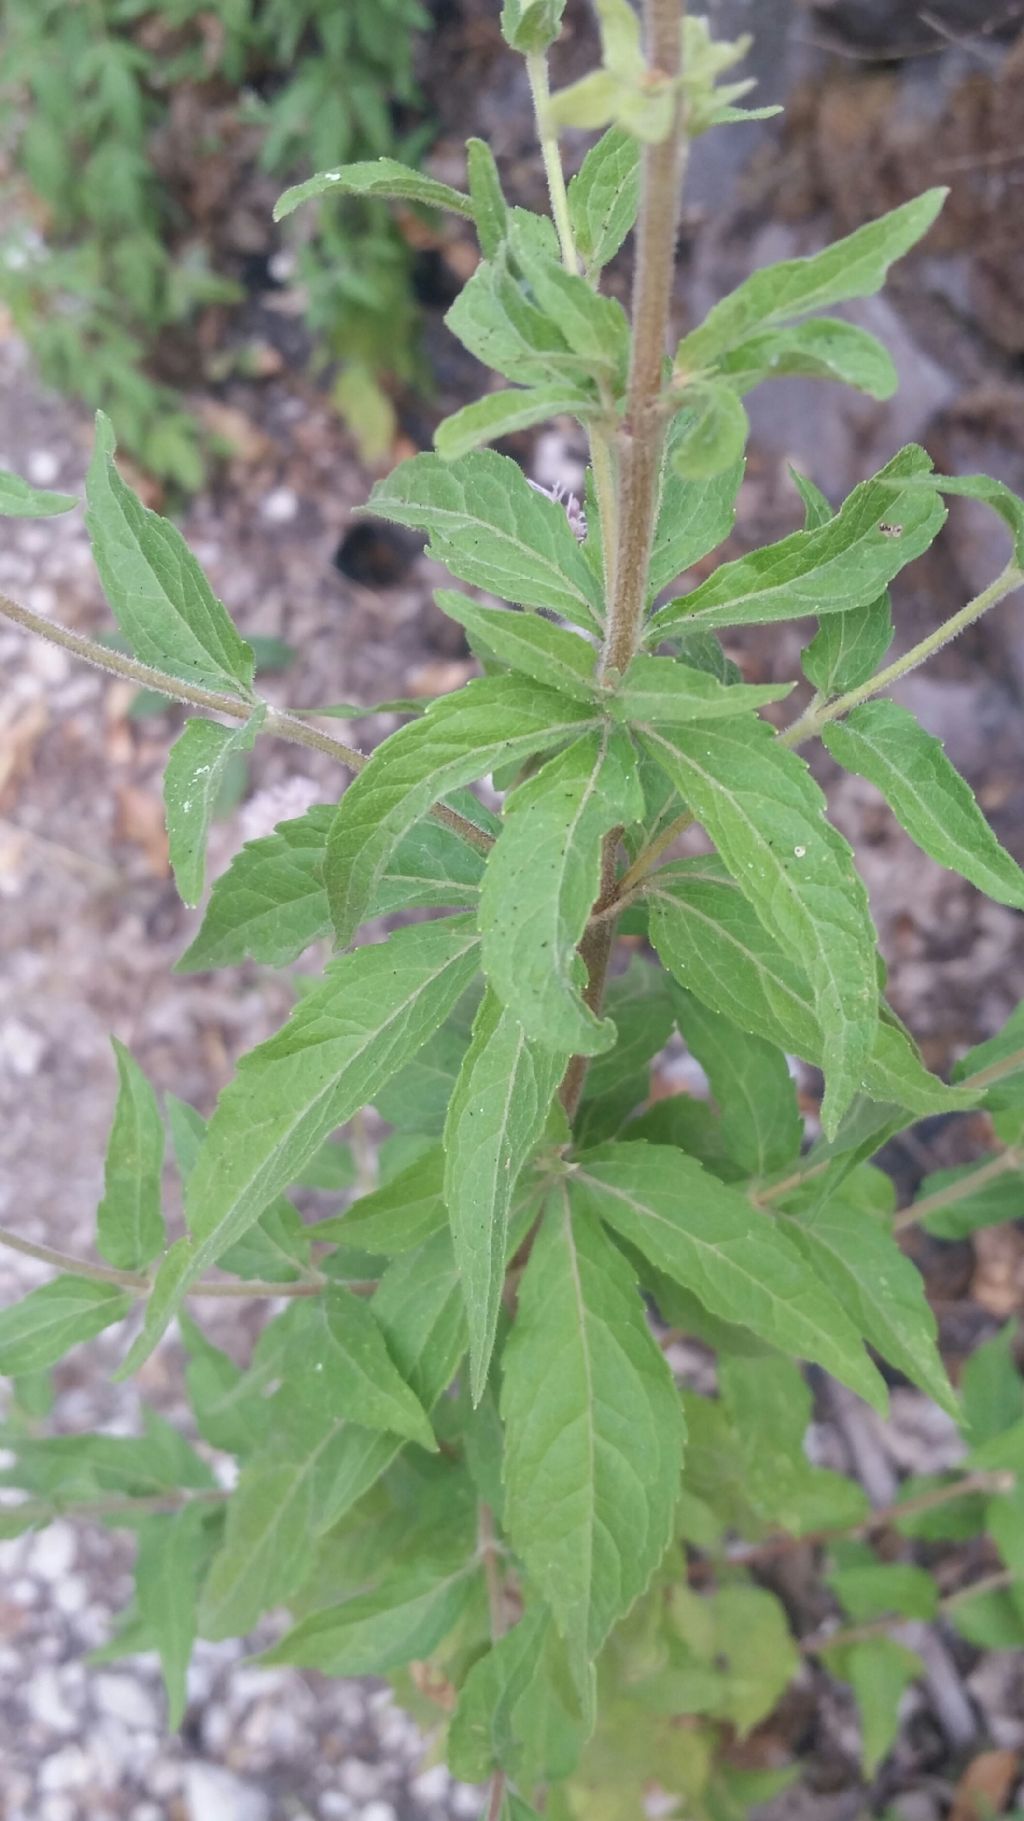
212,1794
124,1699
66,1769
431,1785
21,1049
279,506
44,1698
464,1800
358,1779
378,1811
334,1806
57,1808
43,467
71,1596
53,1552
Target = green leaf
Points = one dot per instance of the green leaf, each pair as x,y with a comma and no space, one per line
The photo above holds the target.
338,1363
767,1404
375,177
707,1237
991,1621
493,721
230,1413
549,654
594,1433
490,210
490,527
1000,1062
848,647
842,565
398,1216
130,1224
541,879
694,517
497,1113
173,1547
668,692
402,1620
738,1650
991,493
39,1330
531,25
985,1194
879,1287
823,349
268,1544
766,816
876,1590
20,500
853,267
639,1003
883,743
193,780
272,902
761,1126
415,1101
991,1387
173,1275
345,1039
594,326
504,412
160,597
604,197
712,435
713,942
878,1670
516,1710
503,325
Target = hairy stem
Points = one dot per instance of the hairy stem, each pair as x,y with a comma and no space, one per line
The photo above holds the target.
284,726
310,1285
540,90
815,718
643,434
986,1172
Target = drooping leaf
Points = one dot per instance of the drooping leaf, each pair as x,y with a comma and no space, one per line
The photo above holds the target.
604,197
496,720
403,1619
885,744
884,524
549,654
504,412
853,267
129,1221
821,349
694,517
160,597
271,903
878,1670
761,1126
666,691
37,1331
713,432
173,1548
766,815
384,177
192,785
490,527
711,939
880,1289
20,500
594,1433
707,1237
343,1041
497,1113
541,879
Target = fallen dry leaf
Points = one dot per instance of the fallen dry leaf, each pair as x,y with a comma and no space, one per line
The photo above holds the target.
985,1787
18,741
998,1282
140,820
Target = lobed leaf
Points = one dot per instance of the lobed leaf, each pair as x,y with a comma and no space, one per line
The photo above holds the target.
490,527
493,721
855,266
130,1222
707,1237
542,877
766,816
884,524
885,744
160,597
594,1433
192,785
384,177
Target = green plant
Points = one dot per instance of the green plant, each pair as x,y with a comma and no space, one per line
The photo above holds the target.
461,1441
106,253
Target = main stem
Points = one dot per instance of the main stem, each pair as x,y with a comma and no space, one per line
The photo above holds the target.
643,431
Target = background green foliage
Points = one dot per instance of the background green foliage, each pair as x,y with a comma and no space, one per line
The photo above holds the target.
104,256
